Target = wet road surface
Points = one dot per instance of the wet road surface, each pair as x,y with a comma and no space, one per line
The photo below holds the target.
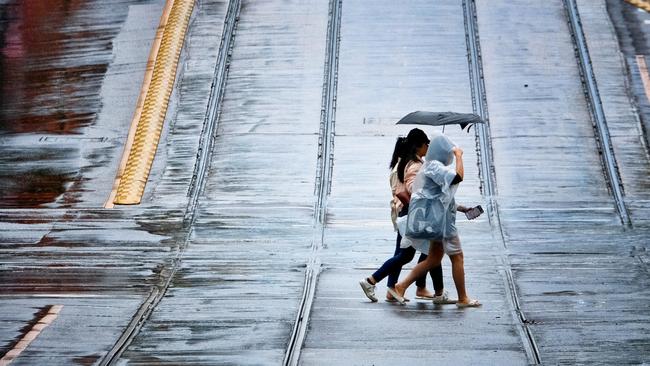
387,69
71,72
233,270
235,297
573,263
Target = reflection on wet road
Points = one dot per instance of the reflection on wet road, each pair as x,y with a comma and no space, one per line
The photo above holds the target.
54,55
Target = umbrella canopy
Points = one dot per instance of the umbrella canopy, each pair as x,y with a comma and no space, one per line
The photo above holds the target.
440,119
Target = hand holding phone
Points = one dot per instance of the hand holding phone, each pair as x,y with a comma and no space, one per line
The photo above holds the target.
474,212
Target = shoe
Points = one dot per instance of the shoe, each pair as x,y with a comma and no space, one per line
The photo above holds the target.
397,297
424,297
392,299
443,299
473,303
368,289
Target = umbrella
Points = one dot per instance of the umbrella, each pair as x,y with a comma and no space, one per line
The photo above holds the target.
440,119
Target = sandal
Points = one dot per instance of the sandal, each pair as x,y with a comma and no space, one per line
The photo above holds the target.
443,299
472,303
397,296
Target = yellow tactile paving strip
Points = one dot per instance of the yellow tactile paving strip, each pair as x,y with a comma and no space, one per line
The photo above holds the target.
642,4
150,113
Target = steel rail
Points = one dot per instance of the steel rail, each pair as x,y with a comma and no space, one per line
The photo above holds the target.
488,178
596,108
198,181
323,182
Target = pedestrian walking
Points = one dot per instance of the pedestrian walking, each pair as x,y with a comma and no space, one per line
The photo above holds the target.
432,215
405,164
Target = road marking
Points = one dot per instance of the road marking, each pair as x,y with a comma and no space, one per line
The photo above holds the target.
42,323
645,77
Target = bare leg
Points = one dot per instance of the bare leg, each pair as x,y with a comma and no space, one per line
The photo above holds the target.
423,292
421,283
433,259
458,273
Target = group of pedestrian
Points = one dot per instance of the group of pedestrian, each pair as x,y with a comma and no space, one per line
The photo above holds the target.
429,162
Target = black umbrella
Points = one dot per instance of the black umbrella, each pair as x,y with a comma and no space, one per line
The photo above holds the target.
440,119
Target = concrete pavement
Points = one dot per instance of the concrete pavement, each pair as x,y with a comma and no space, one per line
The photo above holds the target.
557,264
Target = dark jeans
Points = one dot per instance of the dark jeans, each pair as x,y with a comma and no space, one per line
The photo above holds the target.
393,266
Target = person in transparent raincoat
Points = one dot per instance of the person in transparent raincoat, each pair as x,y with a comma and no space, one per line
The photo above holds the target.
409,153
432,216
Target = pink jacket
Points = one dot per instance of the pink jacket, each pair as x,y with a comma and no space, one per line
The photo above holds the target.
410,171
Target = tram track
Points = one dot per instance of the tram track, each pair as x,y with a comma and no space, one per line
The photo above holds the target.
595,105
487,176
322,185
325,166
196,186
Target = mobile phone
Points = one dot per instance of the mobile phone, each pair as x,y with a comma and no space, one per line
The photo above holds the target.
474,212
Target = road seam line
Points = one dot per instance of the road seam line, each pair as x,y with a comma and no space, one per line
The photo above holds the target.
323,184
158,292
488,176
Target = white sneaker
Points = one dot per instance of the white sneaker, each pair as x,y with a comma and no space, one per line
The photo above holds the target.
368,289
443,299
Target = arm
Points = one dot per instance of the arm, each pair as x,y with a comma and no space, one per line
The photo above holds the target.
458,153
411,171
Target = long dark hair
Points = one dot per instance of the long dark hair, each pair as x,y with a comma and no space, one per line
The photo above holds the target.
398,151
414,140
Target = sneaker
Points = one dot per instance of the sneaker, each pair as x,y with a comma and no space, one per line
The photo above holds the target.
368,289
443,299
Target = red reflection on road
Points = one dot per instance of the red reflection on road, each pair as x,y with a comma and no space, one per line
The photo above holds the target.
53,58
51,66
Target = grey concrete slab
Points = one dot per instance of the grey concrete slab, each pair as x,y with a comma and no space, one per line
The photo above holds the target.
576,269
391,63
86,327
629,23
537,107
235,297
624,125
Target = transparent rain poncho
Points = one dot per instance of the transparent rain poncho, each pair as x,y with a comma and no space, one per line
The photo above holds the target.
432,210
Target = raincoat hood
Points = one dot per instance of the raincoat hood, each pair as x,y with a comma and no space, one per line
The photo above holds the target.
440,149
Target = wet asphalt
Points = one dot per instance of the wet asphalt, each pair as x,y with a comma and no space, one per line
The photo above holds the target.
561,279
